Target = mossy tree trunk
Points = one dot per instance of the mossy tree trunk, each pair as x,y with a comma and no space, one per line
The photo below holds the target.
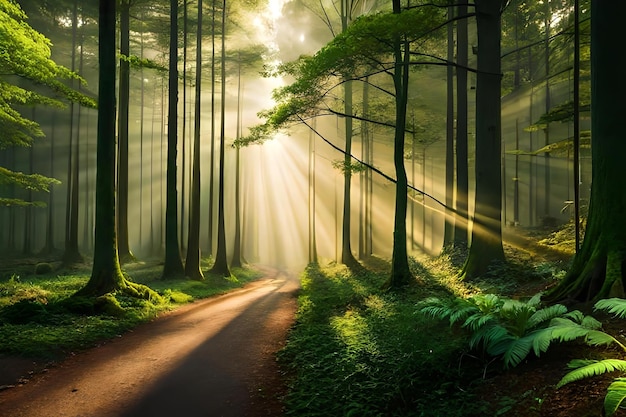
486,243
599,268
106,275
400,272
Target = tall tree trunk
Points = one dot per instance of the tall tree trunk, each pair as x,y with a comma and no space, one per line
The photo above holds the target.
183,182
364,250
221,261
347,258
599,268
49,246
106,275
486,245
173,267
212,151
124,98
72,254
448,234
192,264
462,181
236,260
400,272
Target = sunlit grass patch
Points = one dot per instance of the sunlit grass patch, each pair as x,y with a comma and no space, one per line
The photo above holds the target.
358,350
40,317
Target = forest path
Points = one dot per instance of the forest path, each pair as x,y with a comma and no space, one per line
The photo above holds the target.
215,357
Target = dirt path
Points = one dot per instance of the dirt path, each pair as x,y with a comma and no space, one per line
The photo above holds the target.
212,358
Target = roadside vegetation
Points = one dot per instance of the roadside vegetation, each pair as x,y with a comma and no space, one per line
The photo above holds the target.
446,347
40,318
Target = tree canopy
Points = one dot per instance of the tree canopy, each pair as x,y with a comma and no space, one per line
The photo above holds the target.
28,76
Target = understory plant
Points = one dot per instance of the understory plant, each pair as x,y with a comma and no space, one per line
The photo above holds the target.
503,327
584,368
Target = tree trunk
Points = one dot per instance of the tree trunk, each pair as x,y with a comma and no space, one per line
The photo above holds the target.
106,275
448,235
122,171
462,187
173,267
400,272
486,245
221,262
212,152
72,254
192,264
236,260
598,270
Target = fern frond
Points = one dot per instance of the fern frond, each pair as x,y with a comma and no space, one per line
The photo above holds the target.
490,336
535,300
437,312
576,316
616,392
462,313
591,323
615,306
477,321
592,369
599,338
546,314
517,351
542,339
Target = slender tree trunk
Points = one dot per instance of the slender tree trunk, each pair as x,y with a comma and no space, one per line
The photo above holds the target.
486,245
599,268
124,98
72,254
192,264
173,267
212,162
49,247
183,182
462,181
221,260
400,272
448,235
236,260
363,176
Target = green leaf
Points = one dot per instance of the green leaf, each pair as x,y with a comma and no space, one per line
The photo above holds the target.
592,369
616,392
616,306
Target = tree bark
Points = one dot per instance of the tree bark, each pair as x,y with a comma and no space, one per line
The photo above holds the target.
173,267
598,269
220,267
106,275
486,244
400,272
124,98
192,264
448,236
462,187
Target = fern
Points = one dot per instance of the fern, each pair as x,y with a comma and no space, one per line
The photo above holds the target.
546,314
614,396
591,368
616,306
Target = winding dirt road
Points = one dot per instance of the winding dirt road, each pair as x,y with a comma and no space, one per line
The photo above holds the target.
211,358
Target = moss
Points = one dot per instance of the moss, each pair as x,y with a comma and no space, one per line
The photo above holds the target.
108,304
43,268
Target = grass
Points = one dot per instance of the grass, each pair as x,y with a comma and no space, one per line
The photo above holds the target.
359,350
40,319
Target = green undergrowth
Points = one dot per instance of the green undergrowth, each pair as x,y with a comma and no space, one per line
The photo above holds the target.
357,350
39,318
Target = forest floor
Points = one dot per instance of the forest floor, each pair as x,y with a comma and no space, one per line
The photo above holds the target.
212,357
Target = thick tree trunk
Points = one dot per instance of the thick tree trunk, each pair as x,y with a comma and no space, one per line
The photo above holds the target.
106,275
236,260
192,264
122,171
599,268
173,267
486,244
